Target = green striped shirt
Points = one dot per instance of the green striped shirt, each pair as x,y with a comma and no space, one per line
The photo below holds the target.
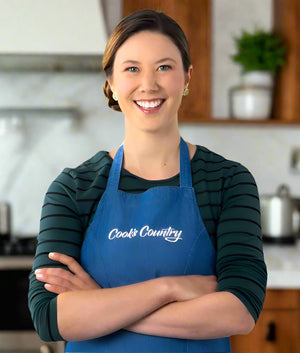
228,202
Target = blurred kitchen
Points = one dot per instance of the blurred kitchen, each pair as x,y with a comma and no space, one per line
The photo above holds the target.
53,115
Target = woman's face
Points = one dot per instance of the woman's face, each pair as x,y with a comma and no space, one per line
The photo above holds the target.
149,80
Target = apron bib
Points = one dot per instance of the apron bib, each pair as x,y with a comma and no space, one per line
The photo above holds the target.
137,237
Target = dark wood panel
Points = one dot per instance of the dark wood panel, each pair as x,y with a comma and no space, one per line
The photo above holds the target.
287,89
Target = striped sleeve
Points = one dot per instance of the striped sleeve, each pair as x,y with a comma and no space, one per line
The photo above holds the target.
61,231
241,269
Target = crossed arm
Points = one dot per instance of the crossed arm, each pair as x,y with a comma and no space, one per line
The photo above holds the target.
180,307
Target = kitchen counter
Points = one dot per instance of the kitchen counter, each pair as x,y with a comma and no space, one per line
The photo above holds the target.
19,262
283,264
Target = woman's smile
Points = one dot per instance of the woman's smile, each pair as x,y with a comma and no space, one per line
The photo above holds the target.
149,106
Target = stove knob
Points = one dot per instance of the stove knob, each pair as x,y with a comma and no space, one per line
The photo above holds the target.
45,349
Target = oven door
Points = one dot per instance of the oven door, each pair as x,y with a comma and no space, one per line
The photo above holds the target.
17,334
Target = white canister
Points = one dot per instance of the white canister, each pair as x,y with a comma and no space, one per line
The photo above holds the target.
253,98
250,102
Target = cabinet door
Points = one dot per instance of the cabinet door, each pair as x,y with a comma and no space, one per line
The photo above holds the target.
277,331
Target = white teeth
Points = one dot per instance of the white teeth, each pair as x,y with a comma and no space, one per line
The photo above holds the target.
149,104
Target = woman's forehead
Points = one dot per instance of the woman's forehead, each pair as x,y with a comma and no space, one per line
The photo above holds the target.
147,45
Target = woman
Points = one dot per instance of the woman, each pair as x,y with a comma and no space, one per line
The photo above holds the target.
167,233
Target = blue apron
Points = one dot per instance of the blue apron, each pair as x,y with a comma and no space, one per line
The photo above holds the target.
140,236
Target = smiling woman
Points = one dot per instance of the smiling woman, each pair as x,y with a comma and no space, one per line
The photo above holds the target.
147,83
157,244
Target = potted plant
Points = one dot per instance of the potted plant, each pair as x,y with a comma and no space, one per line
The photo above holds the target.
260,54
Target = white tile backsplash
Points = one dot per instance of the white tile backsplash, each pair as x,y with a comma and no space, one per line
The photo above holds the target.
35,153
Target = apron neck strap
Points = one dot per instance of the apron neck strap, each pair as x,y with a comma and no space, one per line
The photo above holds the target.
185,167
115,170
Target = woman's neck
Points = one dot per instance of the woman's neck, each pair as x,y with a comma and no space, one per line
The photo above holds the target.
152,156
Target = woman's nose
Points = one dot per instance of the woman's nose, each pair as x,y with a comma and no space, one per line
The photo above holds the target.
149,82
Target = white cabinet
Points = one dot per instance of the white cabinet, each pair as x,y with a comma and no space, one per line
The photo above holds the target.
55,27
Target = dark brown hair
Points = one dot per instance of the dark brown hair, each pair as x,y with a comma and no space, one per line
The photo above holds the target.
143,20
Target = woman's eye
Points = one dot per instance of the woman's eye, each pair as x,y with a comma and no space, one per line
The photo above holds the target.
132,69
164,67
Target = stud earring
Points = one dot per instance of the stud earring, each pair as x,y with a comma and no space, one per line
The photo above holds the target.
115,97
186,92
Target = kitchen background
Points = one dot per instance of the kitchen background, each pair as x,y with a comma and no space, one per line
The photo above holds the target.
36,146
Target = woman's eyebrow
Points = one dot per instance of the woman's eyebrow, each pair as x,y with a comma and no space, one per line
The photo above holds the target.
135,62
165,59
130,62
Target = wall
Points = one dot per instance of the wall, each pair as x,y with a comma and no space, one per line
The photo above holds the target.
32,154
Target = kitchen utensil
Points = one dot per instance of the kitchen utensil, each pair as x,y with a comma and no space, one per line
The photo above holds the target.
280,216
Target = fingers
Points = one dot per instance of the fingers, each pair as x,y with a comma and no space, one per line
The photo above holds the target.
69,261
60,280
57,277
82,280
55,289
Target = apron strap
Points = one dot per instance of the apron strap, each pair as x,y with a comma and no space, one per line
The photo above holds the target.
115,170
185,167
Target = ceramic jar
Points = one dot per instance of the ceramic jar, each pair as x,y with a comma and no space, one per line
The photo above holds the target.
252,99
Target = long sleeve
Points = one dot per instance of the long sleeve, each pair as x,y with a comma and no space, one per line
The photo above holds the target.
60,231
68,209
228,200
241,269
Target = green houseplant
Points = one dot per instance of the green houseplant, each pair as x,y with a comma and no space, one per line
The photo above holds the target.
260,54
259,50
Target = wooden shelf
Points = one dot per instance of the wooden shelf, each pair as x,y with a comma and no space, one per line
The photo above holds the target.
231,121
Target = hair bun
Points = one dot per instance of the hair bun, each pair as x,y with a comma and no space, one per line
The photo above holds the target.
110,101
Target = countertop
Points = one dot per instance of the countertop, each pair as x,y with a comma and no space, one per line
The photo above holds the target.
283,264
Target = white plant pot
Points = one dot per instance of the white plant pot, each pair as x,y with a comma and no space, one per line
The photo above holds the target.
257,78
252,100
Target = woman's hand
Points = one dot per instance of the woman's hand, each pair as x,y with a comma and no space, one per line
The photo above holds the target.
58,280
193,286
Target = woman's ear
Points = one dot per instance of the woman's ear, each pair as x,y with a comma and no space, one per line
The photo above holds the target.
188,76
108,79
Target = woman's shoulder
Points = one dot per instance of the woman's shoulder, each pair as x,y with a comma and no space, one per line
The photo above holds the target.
220,173
94,165
93,171
214,162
